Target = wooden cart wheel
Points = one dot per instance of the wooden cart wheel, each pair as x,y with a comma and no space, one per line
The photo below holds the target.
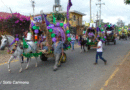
105,43
119,38
125,37
63,58
89,47
43,57
114,42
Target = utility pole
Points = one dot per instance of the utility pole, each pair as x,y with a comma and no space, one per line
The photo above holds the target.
33,6
97,19
97,15
100,4
90,11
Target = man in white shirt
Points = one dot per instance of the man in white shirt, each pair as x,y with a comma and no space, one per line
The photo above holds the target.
99,52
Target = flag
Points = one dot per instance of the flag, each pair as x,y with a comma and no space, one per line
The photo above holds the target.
126,27
65,21
47,22
86,24
54,19
92,21
120,28
31,18
68,8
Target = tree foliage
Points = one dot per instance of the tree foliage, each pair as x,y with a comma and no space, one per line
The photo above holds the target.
127,1
58,16
120,23
15,24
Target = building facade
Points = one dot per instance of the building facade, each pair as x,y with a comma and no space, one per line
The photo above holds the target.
75,21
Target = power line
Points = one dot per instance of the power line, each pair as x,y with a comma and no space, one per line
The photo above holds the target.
7,7
4,4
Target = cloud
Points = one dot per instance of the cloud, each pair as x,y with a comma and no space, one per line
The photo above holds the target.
113,19
111,11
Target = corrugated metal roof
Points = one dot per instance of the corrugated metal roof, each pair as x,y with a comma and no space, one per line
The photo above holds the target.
5,15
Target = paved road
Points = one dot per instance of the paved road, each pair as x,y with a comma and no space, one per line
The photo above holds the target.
78,73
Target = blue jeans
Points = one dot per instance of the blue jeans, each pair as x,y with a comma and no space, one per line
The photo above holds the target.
100,55
72,45
77,40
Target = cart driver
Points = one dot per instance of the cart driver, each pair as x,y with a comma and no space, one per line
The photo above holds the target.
123,33
58,50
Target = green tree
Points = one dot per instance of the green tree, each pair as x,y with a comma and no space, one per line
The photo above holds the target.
120,23
127,1
128,25
58,16
103,24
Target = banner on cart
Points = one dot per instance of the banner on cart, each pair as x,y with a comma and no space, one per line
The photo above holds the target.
38,18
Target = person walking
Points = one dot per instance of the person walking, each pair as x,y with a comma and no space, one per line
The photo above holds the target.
82,42
73,41
99,52
58,51
77,38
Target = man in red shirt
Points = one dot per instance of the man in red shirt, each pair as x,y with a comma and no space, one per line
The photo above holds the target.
77,38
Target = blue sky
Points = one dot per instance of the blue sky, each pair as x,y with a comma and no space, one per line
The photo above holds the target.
111,11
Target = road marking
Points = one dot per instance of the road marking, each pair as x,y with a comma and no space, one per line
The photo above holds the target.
114,73
11,61
7,62
101,88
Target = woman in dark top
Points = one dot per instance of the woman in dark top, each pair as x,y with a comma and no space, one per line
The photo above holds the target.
82,42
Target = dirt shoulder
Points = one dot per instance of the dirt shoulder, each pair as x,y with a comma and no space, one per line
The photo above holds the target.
121,81
4,57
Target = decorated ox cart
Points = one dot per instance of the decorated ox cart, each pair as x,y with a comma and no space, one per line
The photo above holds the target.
123,34
129,33
91,40
51,31
110,35
58,29
92,35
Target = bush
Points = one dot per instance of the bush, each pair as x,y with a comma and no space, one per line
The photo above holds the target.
15,24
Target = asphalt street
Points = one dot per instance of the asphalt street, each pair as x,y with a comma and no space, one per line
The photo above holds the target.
78,73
